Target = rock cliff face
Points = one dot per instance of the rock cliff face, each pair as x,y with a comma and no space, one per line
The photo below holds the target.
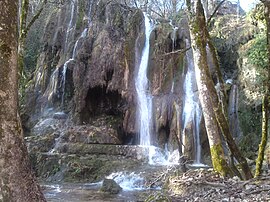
85,75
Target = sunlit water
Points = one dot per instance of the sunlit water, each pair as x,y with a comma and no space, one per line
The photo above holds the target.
144,96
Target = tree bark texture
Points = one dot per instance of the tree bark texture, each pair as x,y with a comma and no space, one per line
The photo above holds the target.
17,181
204,80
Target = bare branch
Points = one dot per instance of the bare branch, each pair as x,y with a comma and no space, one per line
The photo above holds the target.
35,17
177,52
214,12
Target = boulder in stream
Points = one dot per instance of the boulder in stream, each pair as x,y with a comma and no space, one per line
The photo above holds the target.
110,186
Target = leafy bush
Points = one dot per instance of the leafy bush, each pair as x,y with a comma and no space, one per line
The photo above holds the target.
257,53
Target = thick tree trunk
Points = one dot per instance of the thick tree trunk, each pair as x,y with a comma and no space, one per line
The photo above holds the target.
203,78
213,97
200,35
17,182
265,103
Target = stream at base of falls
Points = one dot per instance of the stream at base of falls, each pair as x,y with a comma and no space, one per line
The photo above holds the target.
136,186
75,192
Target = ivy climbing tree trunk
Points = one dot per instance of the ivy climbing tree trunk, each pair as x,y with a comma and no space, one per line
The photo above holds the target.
265,102
203,78
17,181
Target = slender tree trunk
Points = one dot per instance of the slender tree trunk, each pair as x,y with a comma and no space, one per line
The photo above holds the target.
25,27
22,34
265,103
222,95
204,80
17,181
262,145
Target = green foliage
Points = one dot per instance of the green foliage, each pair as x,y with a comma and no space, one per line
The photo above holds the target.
257,14
250,123
257,53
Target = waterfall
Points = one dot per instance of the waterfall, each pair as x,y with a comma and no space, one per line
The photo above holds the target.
74,52
144,107
196,133
83,35
63,80
233,111
173,35
52,86
192,110
143,93
70,24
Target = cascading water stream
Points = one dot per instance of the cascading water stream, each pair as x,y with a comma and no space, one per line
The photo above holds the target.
173,35
197,121
64,71
233,111
54,78
74,53
142,88
52,86
83,35
191,111
70,24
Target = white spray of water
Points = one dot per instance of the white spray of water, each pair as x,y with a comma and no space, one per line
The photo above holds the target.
128,181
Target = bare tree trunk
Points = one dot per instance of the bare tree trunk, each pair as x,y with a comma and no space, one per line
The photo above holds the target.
17,181
204,80
265,103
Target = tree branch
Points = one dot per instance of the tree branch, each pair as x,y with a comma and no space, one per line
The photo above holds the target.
178,51
35,17
214,12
